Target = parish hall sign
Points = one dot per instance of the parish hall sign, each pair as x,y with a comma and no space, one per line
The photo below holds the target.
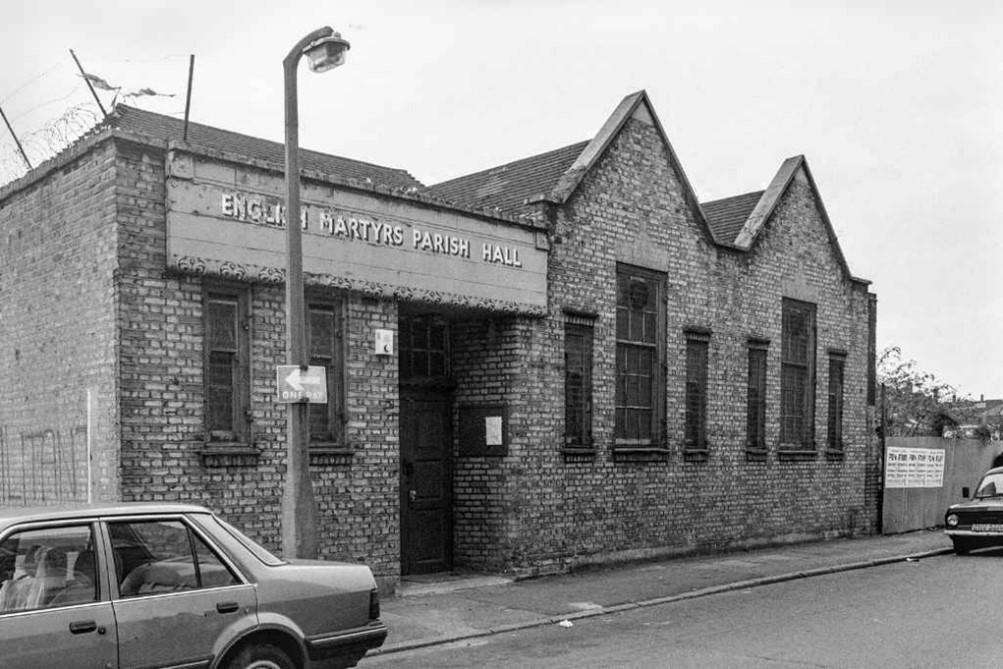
227,217
271,212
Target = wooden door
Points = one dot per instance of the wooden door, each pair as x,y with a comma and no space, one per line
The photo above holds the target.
426,482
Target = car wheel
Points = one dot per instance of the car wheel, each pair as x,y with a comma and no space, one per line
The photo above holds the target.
962,546
260,656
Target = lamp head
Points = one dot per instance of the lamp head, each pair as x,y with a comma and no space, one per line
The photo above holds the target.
326,53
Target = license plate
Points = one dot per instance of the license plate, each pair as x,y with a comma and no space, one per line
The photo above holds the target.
987,527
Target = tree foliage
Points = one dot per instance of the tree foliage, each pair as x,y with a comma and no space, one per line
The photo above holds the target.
916,402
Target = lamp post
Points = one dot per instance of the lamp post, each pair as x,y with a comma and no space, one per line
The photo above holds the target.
325,50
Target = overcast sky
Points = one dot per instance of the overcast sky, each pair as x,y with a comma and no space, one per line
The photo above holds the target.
898,107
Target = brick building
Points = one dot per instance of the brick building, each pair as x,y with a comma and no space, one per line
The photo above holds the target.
587,363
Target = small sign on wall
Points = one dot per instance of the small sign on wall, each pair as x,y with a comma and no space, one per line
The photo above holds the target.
384,344
483,430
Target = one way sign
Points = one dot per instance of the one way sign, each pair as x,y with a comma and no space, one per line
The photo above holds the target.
301,384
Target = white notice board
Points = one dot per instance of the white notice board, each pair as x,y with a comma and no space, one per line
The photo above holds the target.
914,467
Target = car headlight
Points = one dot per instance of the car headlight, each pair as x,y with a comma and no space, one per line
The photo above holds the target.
952,520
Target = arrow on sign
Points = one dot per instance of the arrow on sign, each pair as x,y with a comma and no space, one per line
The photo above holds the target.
294,383
297,380
294,380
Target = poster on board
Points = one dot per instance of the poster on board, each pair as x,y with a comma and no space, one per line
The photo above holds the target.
914,467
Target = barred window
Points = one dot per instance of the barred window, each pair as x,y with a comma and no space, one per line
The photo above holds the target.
640,351
578,338
226,360
755,411
837,367
797,375
324,337
697,349
424,349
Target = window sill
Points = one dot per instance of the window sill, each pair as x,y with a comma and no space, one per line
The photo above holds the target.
631,447
755,454
639,453
835,455
323,455
623,442
694,454
796,454
229,454
578,453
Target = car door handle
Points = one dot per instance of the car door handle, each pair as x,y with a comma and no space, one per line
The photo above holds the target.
83,627
227,607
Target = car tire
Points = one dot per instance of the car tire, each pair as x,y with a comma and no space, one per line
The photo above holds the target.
260,656
962,546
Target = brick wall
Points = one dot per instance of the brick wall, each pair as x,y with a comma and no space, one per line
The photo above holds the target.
164,454
57,334
559,509
88,304
486,363
365,518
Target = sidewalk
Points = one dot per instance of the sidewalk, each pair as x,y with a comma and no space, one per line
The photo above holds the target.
445,609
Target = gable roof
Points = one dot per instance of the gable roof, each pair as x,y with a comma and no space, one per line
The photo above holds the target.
555,176
769,200
508,187
166,128
727,216
733,222
633,104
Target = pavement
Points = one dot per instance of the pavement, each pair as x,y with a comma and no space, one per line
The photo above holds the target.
441,609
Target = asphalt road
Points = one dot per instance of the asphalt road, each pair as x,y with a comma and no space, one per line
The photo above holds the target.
937,612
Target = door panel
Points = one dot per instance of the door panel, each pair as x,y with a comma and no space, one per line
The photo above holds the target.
175,595
85,633
426,484
53,603
180,627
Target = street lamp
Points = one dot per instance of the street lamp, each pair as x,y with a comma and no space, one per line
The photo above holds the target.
326,50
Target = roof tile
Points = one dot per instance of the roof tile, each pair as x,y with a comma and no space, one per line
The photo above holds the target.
507,187
727,216
161,127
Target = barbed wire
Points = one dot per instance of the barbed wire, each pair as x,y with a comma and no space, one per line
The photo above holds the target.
62,85
54,137
32,110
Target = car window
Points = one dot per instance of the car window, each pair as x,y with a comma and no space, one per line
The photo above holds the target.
47,567
164,556
256,549
991,486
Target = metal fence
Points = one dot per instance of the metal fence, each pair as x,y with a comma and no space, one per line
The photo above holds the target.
913,508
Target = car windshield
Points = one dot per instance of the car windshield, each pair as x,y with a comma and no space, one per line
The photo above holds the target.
991,486
259,552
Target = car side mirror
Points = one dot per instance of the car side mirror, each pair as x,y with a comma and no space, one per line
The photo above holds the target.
965,492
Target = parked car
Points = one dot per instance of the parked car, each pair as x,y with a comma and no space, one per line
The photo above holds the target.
170,585
978,522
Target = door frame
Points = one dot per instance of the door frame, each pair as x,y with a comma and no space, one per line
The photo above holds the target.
411,394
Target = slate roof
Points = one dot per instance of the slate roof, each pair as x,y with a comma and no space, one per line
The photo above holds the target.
508,186
727,216
554,176
164,128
